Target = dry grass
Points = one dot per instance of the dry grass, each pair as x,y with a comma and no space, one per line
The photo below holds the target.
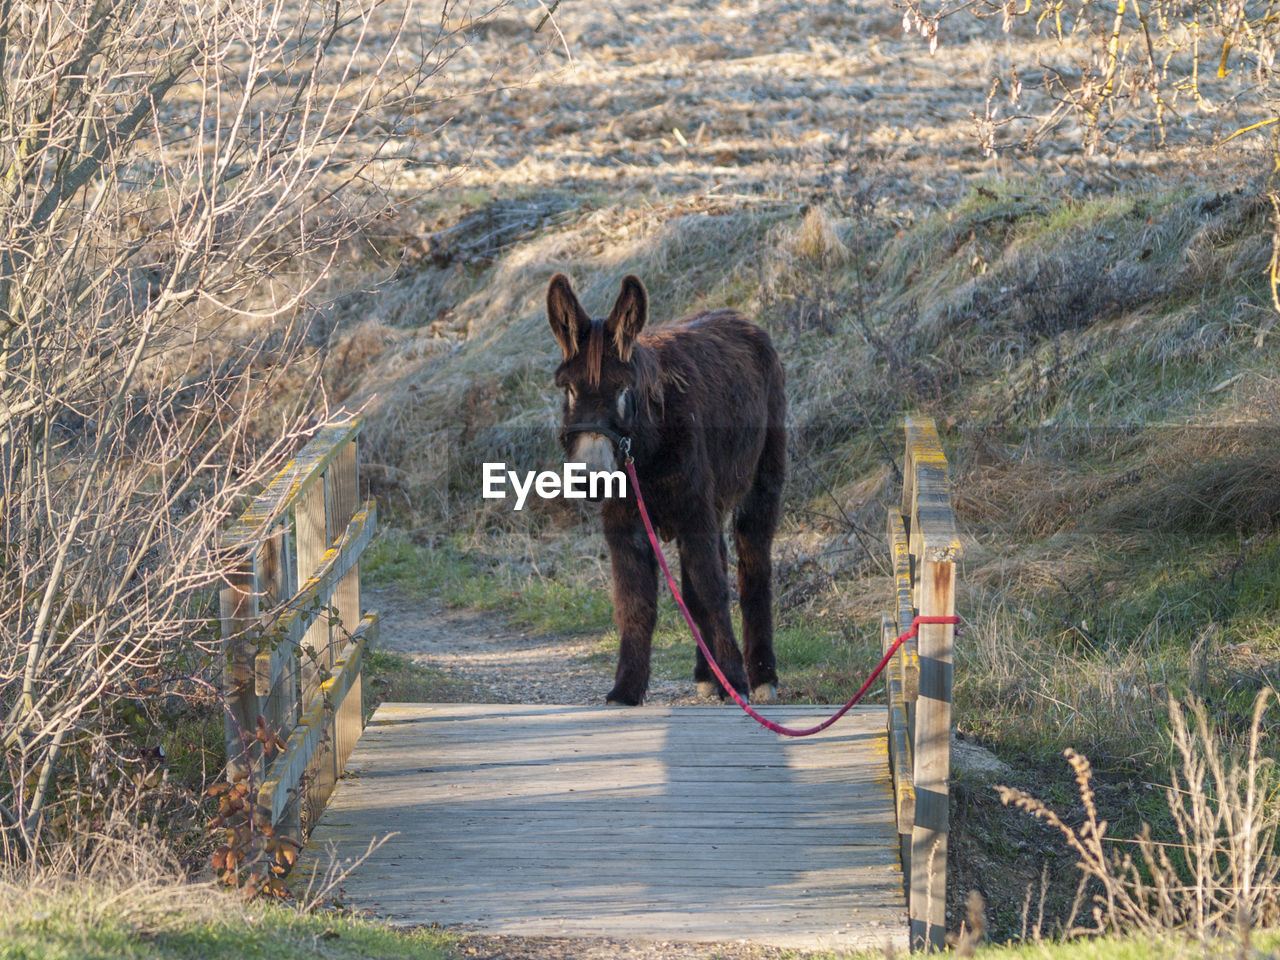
130,879
1220,879
439,409
133,902
1033,682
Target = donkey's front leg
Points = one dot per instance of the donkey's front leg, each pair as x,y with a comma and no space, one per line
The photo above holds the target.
635,605
703,567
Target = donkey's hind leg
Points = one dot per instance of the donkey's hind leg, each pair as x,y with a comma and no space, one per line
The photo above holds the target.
754,525
702,675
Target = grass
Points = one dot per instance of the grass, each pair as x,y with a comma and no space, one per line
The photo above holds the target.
153,918
1126,949
396,678
815,664
559,589
81,922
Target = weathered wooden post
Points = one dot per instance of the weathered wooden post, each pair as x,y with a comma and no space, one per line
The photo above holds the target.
238,607
315,535
924,547
344,500
934,548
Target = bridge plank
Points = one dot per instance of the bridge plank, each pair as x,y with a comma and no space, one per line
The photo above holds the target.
655,823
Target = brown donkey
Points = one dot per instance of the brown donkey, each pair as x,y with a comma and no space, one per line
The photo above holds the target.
702,406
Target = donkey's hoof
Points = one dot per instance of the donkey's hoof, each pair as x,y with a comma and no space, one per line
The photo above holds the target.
618,698
765,693
708,689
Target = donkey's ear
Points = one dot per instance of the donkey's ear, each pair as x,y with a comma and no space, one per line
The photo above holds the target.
565,314
628,316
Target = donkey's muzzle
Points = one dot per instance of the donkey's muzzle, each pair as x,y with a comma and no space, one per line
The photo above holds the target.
597,452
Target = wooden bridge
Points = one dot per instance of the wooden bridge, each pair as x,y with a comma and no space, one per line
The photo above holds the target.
669,823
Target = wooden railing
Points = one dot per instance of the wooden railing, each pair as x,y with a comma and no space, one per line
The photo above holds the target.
293,631
925,548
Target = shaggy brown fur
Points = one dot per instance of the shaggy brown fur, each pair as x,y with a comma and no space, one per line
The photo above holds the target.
704,405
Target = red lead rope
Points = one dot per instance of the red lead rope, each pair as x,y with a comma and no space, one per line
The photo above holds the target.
715,667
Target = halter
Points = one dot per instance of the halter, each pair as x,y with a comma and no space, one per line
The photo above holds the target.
619,440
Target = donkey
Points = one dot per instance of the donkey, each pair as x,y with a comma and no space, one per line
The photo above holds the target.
700,406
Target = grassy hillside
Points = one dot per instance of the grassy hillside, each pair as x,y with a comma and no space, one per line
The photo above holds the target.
1100,371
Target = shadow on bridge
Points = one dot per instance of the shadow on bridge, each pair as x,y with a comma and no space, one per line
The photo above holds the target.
655,822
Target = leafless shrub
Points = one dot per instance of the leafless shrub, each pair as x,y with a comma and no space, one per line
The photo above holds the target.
1221,877
174,180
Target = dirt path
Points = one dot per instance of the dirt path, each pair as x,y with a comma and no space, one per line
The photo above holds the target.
497,663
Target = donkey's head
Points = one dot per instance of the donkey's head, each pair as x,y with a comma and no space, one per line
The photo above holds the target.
609,382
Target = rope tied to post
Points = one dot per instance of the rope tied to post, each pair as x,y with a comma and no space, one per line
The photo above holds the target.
715,667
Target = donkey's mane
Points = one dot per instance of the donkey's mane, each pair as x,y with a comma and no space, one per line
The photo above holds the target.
649,375
595,352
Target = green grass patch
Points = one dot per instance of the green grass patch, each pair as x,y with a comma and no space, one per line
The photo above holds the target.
398,679
817,662
86,925
574,599
419,571
1117,948
1093,667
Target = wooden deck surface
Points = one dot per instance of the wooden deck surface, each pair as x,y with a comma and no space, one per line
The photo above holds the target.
670,823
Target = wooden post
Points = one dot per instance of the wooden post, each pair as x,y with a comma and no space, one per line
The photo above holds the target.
314,538
273,566
315,535
277,579
934,548
238,607
344,498
932,755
